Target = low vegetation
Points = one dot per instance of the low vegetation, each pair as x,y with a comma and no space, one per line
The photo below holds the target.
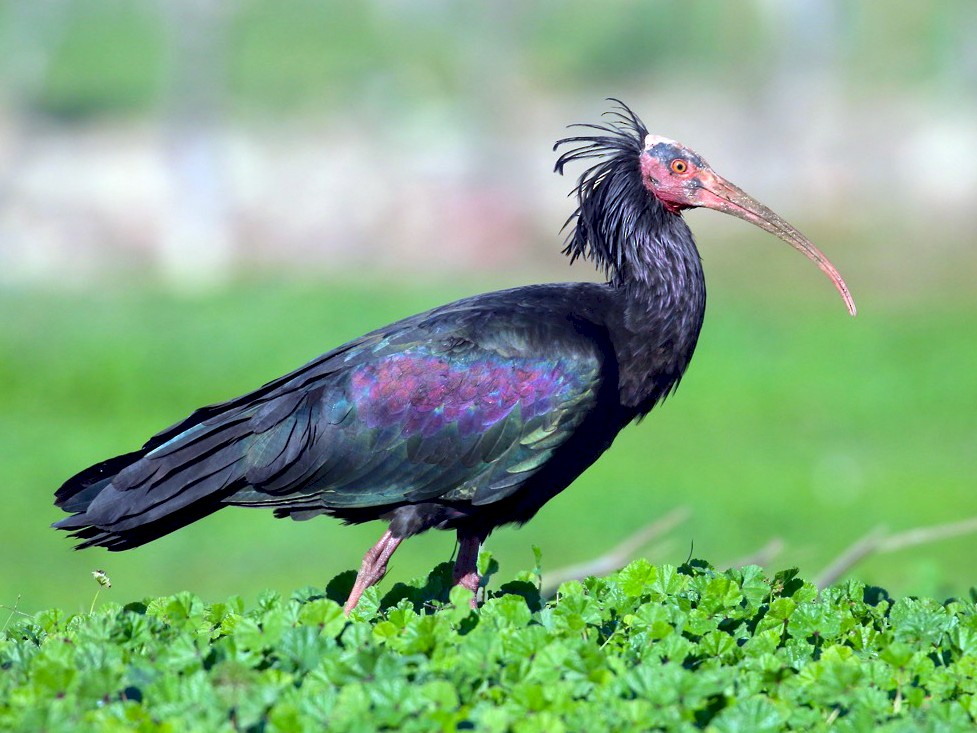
647,648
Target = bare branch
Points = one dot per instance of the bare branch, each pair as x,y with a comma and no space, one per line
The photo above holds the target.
877,542
853,554
923,535
763,556
619,555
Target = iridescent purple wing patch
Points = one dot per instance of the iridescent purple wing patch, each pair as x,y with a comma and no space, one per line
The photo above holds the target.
426,392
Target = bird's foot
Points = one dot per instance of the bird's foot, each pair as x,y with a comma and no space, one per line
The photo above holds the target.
471,581
466,566
373,569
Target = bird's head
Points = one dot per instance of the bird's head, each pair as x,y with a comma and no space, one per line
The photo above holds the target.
681,179
676,177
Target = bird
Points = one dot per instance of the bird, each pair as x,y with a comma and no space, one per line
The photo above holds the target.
471,415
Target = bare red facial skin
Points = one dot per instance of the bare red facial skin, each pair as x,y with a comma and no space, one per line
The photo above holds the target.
672,179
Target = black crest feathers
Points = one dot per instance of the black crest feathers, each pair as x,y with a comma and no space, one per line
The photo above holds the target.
611,199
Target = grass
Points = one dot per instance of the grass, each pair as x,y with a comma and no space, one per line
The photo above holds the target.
795,423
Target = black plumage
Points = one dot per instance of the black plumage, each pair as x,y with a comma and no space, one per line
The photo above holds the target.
468,416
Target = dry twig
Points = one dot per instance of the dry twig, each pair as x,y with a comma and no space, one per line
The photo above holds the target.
763,556
852,555
619,555
877,541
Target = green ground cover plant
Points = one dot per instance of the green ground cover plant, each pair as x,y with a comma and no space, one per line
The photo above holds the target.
647,648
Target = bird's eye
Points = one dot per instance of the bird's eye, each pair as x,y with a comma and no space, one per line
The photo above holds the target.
679,166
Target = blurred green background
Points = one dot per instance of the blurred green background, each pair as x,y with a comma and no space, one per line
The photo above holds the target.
196,197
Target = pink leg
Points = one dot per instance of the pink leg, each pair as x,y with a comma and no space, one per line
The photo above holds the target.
373,568
466,566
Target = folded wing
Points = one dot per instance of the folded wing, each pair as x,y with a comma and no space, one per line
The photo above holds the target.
436,409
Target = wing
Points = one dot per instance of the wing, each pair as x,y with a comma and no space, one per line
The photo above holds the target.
449,420
461,404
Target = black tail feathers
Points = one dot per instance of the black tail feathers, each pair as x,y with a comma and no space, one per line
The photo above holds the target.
138,497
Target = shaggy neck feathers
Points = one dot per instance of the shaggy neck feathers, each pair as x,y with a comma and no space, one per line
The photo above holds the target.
646,252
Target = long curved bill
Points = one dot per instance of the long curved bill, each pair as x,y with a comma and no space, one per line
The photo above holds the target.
718,193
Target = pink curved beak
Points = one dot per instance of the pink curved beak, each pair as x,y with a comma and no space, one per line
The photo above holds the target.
717,193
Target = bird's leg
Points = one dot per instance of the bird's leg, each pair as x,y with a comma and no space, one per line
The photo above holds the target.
466,566
373,568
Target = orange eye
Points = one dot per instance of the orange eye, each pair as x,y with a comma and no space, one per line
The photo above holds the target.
679,166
